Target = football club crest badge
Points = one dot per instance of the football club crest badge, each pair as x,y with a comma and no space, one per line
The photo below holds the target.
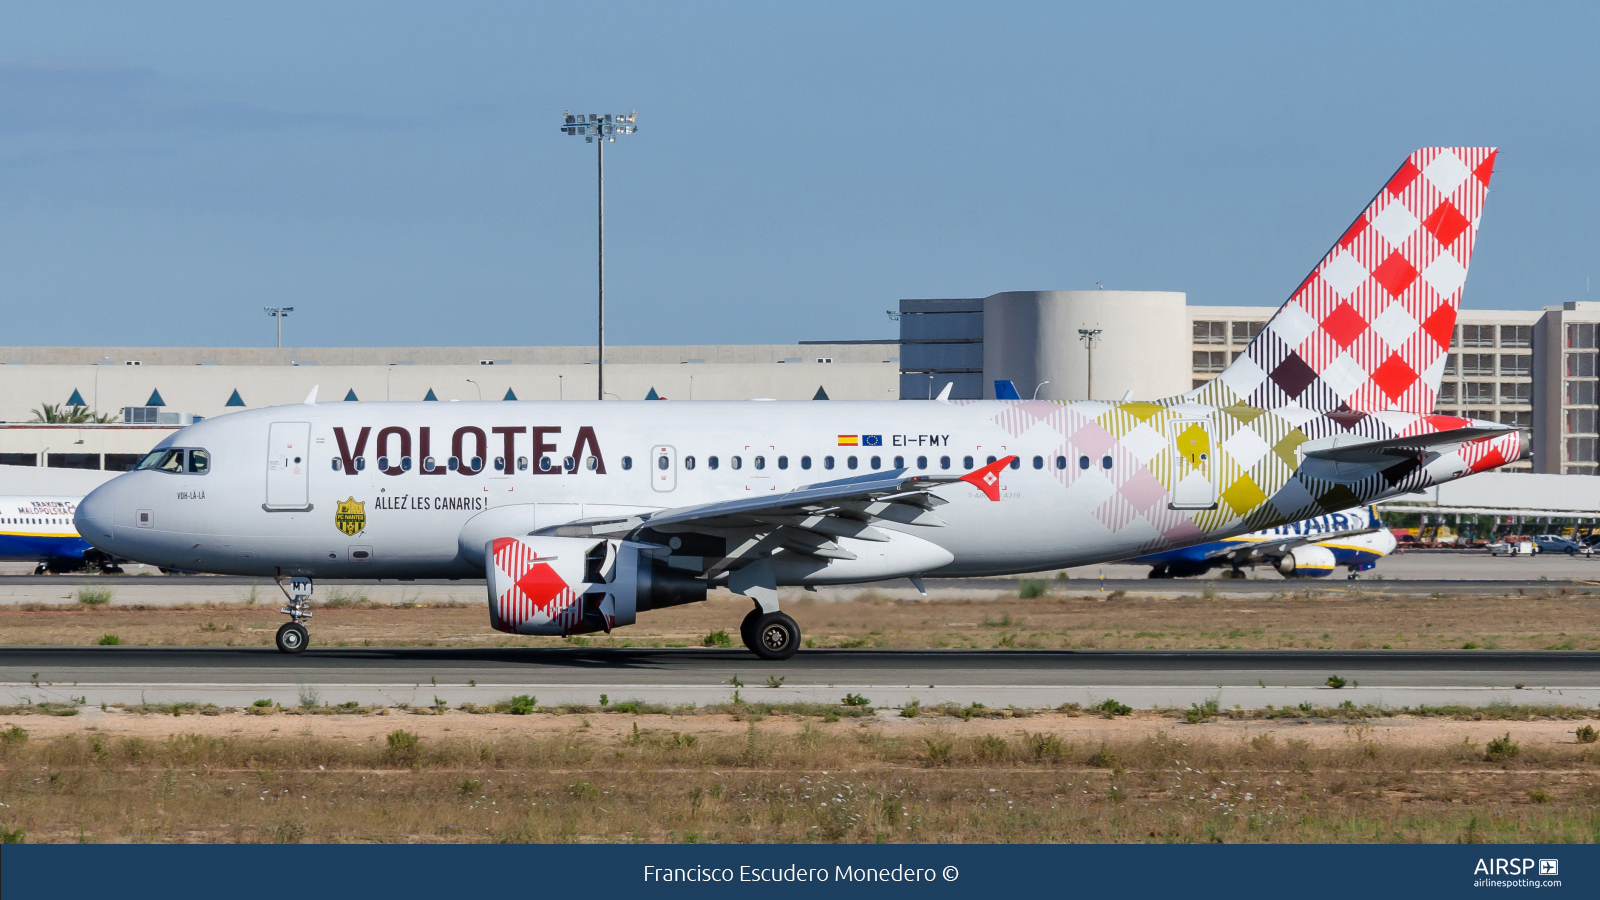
351,516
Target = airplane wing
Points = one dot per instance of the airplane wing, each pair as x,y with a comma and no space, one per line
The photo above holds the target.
1396,449
1242,553
808,519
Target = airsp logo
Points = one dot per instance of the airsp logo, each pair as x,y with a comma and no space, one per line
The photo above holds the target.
351,516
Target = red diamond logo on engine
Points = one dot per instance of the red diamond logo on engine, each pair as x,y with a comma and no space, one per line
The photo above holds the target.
541,584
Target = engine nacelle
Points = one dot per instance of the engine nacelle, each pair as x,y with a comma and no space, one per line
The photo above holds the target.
1307,561
565,585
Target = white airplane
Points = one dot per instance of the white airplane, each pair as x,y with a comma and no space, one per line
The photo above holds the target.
581,516
1355,539
40,530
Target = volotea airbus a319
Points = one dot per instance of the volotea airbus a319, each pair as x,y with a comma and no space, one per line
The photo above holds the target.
582,516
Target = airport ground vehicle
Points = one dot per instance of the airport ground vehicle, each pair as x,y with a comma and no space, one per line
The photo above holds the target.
1555,543
1513,545
581,516
1353,540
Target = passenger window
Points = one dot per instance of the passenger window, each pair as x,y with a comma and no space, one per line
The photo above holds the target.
1061,462
990,461
571,465
899,462
783,462
922,462
1105,462
592,463
477,463
499,463
850,462
1016,462
454,463
338,464
627,463
361,464
827,462
944,462
711,462
966,462
383,464
544,463
1038,462
688,462
1083,462
522,463
761,462
876,461
735,462
805,462
405,463
661,462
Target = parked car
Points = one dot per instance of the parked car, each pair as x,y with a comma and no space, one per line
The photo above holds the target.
1555,543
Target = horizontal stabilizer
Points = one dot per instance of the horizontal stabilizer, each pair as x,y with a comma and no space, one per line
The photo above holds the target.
1404,447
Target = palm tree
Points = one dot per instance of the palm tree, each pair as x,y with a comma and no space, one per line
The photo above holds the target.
50,413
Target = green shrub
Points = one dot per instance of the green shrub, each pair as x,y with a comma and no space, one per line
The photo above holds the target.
939,751
1539,796
1044,747
1587,734
263,704
403,746
109,640
16,835
718,638
911,710
13,736
1502,749
521,705
469,786
1336,682
1103,758
991,747
1111,708
855,700
1031,588
95,596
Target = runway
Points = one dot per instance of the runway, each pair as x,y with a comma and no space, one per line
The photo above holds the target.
229,676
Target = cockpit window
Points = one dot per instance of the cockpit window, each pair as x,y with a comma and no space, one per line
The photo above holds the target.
177,460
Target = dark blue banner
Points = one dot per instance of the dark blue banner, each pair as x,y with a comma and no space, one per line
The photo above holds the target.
1165,872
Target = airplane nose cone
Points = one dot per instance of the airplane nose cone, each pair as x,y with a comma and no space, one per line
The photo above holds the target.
93,517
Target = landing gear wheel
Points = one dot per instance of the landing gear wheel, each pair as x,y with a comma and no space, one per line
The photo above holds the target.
776,636
747,628
293,638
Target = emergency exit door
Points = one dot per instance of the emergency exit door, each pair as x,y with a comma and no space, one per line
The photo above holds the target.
289,466
663,468
1194,469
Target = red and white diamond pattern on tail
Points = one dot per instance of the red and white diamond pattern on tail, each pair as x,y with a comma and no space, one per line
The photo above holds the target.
529,590
1369,326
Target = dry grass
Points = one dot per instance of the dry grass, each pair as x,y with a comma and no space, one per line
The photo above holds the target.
718,778
1327,618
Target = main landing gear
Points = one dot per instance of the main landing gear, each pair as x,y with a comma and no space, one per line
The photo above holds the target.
770,635
293,636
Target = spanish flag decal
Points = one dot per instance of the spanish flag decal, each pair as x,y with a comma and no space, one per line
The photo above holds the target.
849,440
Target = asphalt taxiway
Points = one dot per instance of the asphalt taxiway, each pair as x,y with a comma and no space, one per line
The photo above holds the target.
228,676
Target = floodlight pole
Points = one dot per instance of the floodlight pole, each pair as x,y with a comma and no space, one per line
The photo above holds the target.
1089,336
278,312
606,128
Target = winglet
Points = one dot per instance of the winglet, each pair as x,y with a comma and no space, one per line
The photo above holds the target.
311,398
987,479
944,395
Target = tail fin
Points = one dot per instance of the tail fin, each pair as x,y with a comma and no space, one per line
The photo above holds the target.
1368,329
1005,390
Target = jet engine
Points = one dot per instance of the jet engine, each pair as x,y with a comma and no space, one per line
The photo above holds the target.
567,585
1307,561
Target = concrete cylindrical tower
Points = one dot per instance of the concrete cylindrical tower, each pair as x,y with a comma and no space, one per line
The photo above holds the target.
1031,337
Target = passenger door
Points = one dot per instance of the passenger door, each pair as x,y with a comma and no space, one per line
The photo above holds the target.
289,466
663,468
1194,481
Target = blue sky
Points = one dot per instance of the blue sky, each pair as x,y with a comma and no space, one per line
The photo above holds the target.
394,170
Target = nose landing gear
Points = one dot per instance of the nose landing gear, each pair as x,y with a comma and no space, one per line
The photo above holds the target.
293,636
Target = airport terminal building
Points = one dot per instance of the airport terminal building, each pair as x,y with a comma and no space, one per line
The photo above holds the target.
1535,369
